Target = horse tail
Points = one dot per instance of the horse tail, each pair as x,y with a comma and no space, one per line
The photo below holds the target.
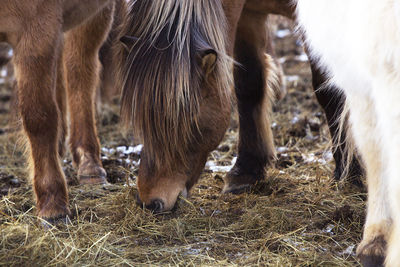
162,77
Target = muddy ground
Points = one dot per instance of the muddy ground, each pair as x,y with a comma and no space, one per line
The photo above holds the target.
297,217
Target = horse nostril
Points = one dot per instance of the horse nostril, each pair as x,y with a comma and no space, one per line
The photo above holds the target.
156,206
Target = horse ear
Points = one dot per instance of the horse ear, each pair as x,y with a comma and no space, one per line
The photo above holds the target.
208,60
128,42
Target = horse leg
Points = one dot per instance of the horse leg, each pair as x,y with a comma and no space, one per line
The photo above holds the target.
232,10
81,64
256,148
109,87
332,101
35,62
363,120
387,98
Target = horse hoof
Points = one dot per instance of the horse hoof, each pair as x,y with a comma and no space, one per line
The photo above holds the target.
237,183
94,175
372,254
48,223
236,188
372,261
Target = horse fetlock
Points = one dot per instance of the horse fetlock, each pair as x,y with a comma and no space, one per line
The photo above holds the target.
371,252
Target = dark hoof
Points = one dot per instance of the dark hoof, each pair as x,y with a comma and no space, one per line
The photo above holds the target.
236,188
372,261
237,182
372,254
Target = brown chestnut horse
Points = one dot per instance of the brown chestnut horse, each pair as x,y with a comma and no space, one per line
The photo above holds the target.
182,116
56,46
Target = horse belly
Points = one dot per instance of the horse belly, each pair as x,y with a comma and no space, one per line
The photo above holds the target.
355,40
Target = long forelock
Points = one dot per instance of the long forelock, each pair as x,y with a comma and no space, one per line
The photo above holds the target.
163,79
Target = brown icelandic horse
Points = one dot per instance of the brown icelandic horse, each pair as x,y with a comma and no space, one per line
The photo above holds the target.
177,88
56,44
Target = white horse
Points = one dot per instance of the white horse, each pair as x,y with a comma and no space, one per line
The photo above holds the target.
358,42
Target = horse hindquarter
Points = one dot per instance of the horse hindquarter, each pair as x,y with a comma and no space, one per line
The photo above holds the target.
359,44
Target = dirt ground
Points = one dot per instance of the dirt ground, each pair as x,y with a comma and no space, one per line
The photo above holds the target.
297,217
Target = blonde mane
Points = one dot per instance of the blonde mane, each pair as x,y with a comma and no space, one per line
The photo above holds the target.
162,75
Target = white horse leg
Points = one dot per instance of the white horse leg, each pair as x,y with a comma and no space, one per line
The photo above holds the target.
388,112
363,120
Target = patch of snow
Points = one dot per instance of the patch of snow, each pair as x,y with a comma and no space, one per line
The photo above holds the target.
138,149
220,168
130,149
328,229
302,58
283,33
328,156
295,244
294,120
136,163
130,183
234,161
310,158
292,78
210,165
108,150
282,149
349,250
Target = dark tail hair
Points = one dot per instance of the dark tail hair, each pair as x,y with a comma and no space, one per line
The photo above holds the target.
162,76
